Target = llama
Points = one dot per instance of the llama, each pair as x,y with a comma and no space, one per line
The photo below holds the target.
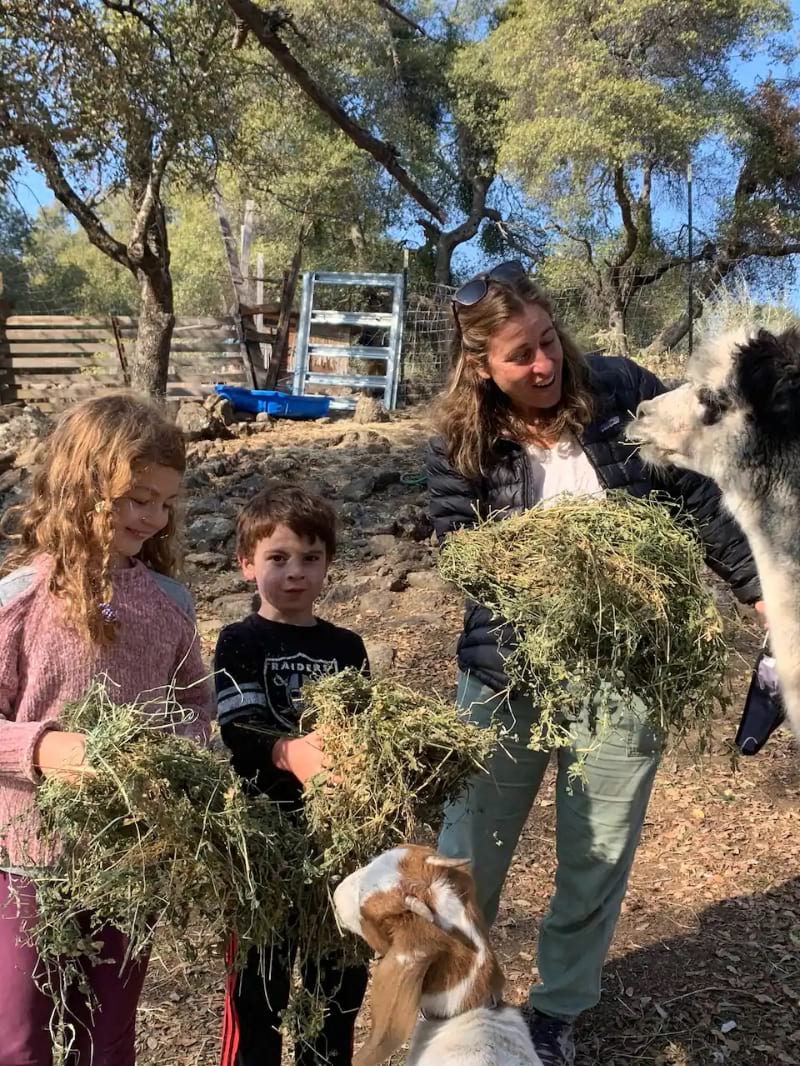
418,910
737,421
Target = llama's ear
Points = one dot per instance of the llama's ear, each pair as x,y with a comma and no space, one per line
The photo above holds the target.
786,394
397,987
768,375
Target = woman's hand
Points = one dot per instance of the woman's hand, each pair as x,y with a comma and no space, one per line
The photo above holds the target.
302,756
62,755
761,610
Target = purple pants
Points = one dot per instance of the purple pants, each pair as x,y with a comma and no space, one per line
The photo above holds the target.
104,1038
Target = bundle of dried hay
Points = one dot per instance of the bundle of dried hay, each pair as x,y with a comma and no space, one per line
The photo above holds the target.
608,602
161,832
157,832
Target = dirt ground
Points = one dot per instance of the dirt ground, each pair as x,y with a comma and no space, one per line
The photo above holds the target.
705,964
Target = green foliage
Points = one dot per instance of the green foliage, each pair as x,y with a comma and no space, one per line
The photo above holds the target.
65,274
618,83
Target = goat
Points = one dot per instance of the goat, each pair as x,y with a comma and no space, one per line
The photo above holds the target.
418,911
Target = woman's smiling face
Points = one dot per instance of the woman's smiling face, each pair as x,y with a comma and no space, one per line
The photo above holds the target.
525,360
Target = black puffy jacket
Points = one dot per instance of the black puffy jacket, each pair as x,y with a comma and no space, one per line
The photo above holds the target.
619,385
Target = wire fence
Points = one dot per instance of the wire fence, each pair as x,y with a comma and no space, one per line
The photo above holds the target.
754,290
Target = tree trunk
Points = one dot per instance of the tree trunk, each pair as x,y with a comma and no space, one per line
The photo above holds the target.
448,240
154,335
618,332
672,334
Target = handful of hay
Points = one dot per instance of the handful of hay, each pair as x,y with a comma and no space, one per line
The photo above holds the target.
607,600
159,832
397,758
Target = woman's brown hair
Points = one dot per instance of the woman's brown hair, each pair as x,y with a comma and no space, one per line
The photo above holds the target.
474,414
89,462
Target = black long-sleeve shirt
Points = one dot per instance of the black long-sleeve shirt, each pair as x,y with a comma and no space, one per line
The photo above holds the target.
260,668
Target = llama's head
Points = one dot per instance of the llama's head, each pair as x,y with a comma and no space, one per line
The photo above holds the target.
417,910
737,420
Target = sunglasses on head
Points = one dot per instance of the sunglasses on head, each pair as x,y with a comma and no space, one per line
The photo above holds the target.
474,290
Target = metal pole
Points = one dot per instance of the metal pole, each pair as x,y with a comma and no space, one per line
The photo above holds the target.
690,294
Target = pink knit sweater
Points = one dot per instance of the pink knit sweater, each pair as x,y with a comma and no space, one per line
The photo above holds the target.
43,664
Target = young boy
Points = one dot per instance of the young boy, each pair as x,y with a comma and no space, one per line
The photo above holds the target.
285,542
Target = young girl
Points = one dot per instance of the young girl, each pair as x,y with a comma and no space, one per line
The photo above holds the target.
89,594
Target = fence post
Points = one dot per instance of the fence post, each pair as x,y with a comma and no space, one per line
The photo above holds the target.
234,266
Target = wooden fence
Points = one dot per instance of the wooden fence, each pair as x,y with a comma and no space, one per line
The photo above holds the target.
54,359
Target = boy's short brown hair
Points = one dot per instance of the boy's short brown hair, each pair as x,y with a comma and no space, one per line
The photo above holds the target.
307,516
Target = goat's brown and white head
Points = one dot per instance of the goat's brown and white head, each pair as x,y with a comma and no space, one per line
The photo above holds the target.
418,911
737,420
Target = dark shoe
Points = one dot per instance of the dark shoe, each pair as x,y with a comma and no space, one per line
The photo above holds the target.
553,1039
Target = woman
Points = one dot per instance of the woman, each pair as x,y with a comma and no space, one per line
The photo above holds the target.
527,417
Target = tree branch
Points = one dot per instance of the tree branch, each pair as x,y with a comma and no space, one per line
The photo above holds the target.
403,18
41,153
448,240
265,26
151,24
152,196
629,225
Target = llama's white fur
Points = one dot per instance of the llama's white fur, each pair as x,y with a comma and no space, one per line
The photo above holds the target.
737,421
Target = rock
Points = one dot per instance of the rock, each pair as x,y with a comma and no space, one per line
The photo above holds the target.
381,658
379,528
206,560
208,531
229,583
385,478
249,486
352,514
413,523
202,505
195,421
220,408
7,460
10,479
369,409
233,608
196,479
375,602
427,579
23,428
382,544
11,410
357,490
216,467
347,589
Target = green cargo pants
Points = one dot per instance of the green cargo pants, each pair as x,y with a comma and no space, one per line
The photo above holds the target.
598,825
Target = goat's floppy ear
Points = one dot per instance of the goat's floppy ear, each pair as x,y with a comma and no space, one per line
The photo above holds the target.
397,986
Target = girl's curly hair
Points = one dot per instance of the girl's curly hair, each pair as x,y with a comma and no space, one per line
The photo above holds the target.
89,462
